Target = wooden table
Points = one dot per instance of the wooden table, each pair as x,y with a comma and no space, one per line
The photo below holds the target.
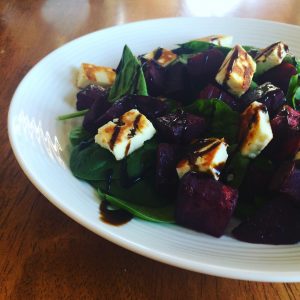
43,253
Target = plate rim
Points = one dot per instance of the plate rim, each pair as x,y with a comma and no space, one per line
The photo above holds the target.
200,267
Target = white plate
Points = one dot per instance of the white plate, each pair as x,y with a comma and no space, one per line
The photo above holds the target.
40,144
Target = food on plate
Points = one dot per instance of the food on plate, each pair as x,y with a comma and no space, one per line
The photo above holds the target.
92,74
237,71
195,135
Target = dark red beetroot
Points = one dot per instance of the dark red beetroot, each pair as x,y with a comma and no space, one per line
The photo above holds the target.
180,127
90,94
279,76
212,91
155,77
257,178
286,135
177,82
278,222
203,67
98,116
268,94
286,181
204,204
166,179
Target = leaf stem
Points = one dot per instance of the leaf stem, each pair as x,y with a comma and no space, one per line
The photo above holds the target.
72,115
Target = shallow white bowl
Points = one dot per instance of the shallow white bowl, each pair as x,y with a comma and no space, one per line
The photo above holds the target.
40,144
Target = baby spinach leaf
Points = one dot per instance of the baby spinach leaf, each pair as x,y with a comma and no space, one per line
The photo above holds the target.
194,47
162,214
142,159
130,78
236,168
293,93
78,135
72,115
223,121
93,162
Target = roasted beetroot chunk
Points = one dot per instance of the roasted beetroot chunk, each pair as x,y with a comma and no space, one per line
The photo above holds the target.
279,76
180,127
203,67
212,91
97,116
155,77
278,222
204,204
286,181
90,94
176,82
268,94
166,179
286,135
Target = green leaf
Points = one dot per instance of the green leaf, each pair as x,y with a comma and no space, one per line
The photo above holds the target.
236,169
130,78
293,91
223,121
72,115
78,135
93,162
162,214
194,47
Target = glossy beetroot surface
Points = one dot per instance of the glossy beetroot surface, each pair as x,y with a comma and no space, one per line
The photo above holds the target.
180,127
279,76
204,204
286,135
268,94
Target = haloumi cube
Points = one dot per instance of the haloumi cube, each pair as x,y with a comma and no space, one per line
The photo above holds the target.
162,56
270,57
255,130
126,134
218,39
92,74
237,71
297,156
209,157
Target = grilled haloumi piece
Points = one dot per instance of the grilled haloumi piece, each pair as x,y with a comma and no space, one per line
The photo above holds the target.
92,74
209,157
255,129
162,56
125,134
218,39
270,57
237,71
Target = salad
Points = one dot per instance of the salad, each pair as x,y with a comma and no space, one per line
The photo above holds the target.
195,136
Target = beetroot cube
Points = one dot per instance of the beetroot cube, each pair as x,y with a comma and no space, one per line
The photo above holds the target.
204,66
204,204
212,91
166,179
286,134
155,77
180,127
286,181
90,94
268,94
280,76
278,222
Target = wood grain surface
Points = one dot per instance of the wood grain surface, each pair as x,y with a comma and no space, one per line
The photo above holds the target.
43,253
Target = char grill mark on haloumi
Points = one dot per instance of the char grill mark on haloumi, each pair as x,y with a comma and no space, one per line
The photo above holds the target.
237,71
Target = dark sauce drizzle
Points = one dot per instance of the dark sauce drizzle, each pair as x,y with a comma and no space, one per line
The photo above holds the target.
115,217
233,57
